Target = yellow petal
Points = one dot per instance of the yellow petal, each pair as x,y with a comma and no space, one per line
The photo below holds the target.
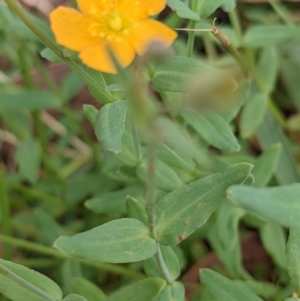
148,31
93,8
152,7
98,57
70,29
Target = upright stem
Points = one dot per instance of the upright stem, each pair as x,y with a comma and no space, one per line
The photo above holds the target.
191,34
135,136
150,205
150,197
6,214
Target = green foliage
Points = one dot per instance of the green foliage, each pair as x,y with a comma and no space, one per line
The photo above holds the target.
176,159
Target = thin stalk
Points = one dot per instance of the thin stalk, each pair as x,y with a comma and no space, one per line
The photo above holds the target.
135,136
191,33
282,12
41,249
249,65
209,47
37,263
162,264
150,196
19,11
74,165
6,213
35,194
236,24
150,204
29,84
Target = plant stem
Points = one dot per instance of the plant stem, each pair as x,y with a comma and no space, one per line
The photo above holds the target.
236,24
135,136
282,12
209,47
6,214
162,265
75,164
150,205
150,196
191,34
38,248
19,11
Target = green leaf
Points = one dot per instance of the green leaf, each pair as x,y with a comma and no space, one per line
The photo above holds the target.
221,288
268,35
97,85
206,7
267,70
165,177
19,283
74,297
182,10
29,100
274,242
268,133
136,210
145,290
187,208
48,228
118,241
213,128
174,74
278,204
266,290
114,202
90,113
229,5
28,156
293,258
128,155
223,236
171,292
238,101
110,125
50,56
253,114
88,289
171,260
265,165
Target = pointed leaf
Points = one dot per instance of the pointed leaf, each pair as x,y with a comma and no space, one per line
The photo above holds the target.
118,241
88,289
213,128
165,177
74,297
19,283
268,35
253,114
206,7
28,156
145,290
187,208
182,10
110,125
265,165
278,204
221,288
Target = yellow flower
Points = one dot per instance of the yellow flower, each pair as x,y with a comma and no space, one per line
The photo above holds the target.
122,26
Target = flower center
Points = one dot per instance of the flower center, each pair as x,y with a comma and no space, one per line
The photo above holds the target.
115,23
